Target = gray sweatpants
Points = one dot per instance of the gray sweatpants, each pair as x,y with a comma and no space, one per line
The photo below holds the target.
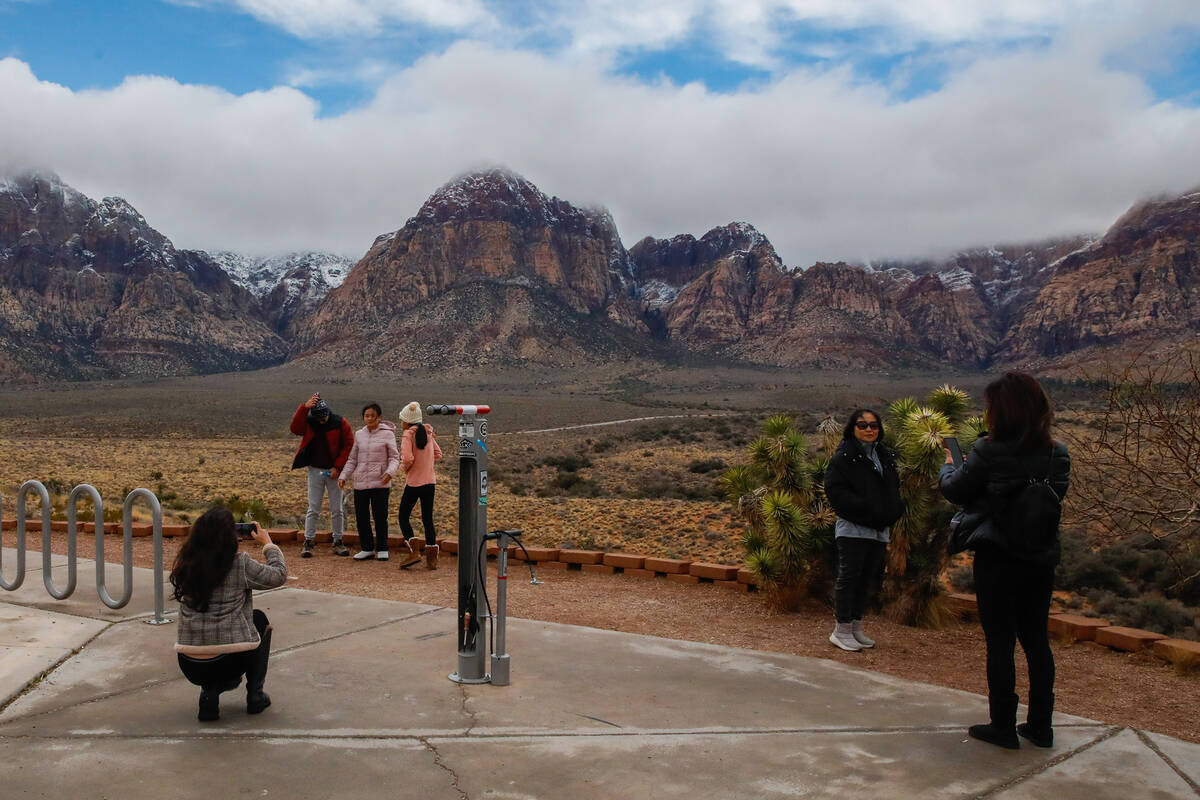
318,483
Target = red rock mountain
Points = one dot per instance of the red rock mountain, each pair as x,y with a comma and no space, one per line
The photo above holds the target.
493,271
1139,286
490,270
88,289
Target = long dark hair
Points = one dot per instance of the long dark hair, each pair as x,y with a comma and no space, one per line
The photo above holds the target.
420,435
205,558
1017,410
855,416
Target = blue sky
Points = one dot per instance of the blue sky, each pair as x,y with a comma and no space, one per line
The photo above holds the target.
813,119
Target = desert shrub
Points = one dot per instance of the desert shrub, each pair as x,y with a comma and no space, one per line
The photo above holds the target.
961,577
917,555
1133,581
57,486
567,463
1151,612
788,539
604,445
706,465
576,485
246,510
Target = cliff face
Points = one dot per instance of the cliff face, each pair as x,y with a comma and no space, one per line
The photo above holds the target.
493,271
1137,285
494,239
88,289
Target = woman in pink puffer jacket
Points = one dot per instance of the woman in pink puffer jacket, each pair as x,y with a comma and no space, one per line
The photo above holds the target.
372,464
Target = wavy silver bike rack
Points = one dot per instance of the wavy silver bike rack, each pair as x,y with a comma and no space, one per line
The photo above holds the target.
72,528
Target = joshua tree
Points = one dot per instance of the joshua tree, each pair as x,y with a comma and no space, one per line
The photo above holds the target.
789,534
917,554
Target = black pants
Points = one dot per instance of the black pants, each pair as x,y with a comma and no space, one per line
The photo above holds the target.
214,674
859,563
1014,604
370,503
409,499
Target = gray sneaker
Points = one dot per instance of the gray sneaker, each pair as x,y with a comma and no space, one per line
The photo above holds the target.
340,549
363,555
307,550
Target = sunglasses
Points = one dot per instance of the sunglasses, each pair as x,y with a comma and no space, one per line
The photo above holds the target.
862,426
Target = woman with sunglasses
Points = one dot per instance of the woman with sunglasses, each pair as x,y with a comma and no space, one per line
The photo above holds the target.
863,488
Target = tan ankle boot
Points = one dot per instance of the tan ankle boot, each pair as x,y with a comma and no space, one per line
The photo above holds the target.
431,554
407,559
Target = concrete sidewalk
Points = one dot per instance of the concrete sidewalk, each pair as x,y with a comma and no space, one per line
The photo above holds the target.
92,705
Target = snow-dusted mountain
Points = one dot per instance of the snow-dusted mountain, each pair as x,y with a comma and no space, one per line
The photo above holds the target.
261,274
286,285
88,289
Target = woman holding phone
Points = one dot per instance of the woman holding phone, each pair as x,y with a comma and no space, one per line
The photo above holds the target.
863,488
221,635
1014,572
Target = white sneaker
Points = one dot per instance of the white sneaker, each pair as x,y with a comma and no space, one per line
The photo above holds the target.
382,555
363,555
857,632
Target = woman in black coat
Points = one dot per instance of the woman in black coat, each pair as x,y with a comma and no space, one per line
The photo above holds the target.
863,488
1014,560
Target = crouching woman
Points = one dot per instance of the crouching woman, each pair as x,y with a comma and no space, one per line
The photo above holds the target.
221,635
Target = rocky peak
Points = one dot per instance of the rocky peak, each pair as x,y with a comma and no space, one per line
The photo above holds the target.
1139,283
664,267
498,195
112,294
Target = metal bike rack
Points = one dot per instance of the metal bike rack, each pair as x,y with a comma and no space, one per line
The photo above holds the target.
72,531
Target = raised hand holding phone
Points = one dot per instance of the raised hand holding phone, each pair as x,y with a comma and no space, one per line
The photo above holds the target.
953,451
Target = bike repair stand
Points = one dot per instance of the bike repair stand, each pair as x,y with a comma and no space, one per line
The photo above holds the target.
472,524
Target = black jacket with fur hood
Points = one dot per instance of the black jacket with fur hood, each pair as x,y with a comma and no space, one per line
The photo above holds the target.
858,492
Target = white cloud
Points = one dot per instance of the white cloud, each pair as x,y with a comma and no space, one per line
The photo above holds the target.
1014,147
320,19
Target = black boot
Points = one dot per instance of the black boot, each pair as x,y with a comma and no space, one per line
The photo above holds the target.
256,699
1002,730
210,704
1037,726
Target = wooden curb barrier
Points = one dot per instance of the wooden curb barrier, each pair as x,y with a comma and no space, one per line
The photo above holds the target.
1075,627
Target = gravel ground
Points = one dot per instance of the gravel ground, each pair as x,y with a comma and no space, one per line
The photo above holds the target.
1119,688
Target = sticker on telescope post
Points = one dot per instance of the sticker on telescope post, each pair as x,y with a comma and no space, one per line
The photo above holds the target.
482,428
483,483
464,447
466,430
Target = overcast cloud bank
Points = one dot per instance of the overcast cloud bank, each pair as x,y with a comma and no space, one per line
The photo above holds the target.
1020,143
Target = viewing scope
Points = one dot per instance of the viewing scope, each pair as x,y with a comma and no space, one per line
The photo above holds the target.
451,410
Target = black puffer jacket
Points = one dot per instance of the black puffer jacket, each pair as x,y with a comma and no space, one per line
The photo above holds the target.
992,473
856,490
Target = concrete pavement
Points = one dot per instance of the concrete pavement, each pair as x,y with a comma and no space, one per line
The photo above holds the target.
92,705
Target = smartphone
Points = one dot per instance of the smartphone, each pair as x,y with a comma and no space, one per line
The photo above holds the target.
951,444
245,530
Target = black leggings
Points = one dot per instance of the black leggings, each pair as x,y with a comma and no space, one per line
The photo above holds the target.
409,499
1014,604
370,503
858,567
228,667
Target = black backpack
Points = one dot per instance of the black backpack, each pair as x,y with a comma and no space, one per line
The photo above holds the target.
1030,519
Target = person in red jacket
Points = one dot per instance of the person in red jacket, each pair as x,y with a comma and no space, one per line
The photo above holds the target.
323,451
